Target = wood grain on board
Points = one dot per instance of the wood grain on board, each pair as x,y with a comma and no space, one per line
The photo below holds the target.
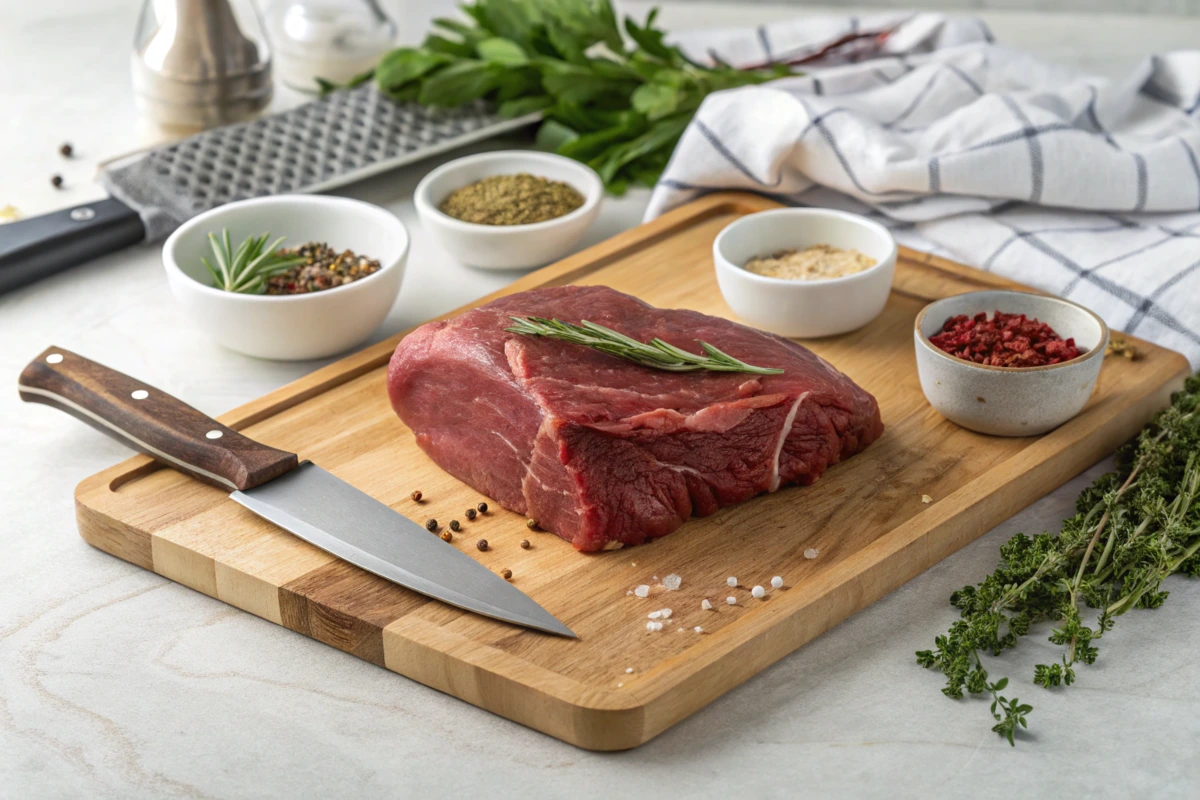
865,517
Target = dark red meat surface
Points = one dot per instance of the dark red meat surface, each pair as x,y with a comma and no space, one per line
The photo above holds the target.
602,451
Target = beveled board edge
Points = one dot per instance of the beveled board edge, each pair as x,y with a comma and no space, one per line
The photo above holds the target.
610,719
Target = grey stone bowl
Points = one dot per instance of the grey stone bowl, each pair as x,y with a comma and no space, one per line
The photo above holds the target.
1010,401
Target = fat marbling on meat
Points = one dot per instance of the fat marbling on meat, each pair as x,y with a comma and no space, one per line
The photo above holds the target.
602,451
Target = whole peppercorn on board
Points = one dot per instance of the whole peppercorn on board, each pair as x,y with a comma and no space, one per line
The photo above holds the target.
924,489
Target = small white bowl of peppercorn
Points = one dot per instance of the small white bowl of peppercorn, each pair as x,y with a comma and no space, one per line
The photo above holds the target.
1008,363
289,277
512,209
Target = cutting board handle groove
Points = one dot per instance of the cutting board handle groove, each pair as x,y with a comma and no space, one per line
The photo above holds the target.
150,421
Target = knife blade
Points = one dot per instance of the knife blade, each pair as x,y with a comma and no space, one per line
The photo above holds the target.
299,497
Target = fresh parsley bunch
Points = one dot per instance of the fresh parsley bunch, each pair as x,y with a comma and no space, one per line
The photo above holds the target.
1134,528
618,107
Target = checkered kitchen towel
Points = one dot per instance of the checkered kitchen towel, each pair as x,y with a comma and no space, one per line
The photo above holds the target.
1079,186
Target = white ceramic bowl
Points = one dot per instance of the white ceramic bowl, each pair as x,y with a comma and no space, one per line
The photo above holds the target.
507,246
290,327
1010,401
804,309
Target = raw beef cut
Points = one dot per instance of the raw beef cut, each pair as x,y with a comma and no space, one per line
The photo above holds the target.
605,452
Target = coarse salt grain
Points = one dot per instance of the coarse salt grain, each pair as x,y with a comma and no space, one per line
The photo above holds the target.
777,582
672,582
704,604
731,581
666,613
619,685
731,600
680,630
654,614
643,590
654,626
758,592
629,670
811,553
698,629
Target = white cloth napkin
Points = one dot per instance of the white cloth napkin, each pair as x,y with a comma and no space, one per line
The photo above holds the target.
1076,185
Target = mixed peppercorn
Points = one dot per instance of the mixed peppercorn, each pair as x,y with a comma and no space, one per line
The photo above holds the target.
322,268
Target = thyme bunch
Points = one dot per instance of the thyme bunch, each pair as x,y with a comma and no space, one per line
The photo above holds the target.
655,354
1133,528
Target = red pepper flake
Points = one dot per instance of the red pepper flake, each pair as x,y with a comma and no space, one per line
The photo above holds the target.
1005,340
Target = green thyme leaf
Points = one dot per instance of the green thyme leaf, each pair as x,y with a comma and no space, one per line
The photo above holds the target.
1134,527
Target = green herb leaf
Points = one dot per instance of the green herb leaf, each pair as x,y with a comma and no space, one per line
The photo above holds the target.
651,40
565,44
525,105
655,354
407,64
1133,528
569,59
655,100
502,51
459,83
553,135
664,134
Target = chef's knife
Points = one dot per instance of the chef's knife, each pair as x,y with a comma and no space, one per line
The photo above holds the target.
297,496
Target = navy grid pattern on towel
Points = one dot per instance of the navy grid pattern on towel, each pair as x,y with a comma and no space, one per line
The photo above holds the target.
1079,186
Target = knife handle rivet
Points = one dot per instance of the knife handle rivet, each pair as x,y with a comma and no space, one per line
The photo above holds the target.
213,435
54,358
139,394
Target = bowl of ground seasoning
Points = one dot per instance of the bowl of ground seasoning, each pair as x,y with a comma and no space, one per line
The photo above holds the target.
511,209
1008,363
340,263
805,272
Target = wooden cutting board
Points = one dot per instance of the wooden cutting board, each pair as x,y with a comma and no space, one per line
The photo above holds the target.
865,517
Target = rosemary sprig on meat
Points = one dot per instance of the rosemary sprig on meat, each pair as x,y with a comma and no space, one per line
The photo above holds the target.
1134,527
655,354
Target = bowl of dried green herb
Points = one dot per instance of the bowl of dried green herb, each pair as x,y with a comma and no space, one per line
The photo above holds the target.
289,277
512,209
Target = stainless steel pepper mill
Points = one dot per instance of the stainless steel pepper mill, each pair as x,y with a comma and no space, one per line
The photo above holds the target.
200,63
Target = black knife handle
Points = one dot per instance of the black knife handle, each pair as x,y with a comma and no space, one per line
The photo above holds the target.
35,248
153,422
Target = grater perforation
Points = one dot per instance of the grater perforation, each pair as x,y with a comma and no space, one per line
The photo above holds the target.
343,137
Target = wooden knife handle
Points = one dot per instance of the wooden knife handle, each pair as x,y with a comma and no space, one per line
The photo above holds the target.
153,422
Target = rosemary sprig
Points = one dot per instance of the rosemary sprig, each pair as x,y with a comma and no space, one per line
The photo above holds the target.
655,354
248,269
1143,520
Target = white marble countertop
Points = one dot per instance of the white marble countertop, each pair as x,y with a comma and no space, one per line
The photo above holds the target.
116,682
